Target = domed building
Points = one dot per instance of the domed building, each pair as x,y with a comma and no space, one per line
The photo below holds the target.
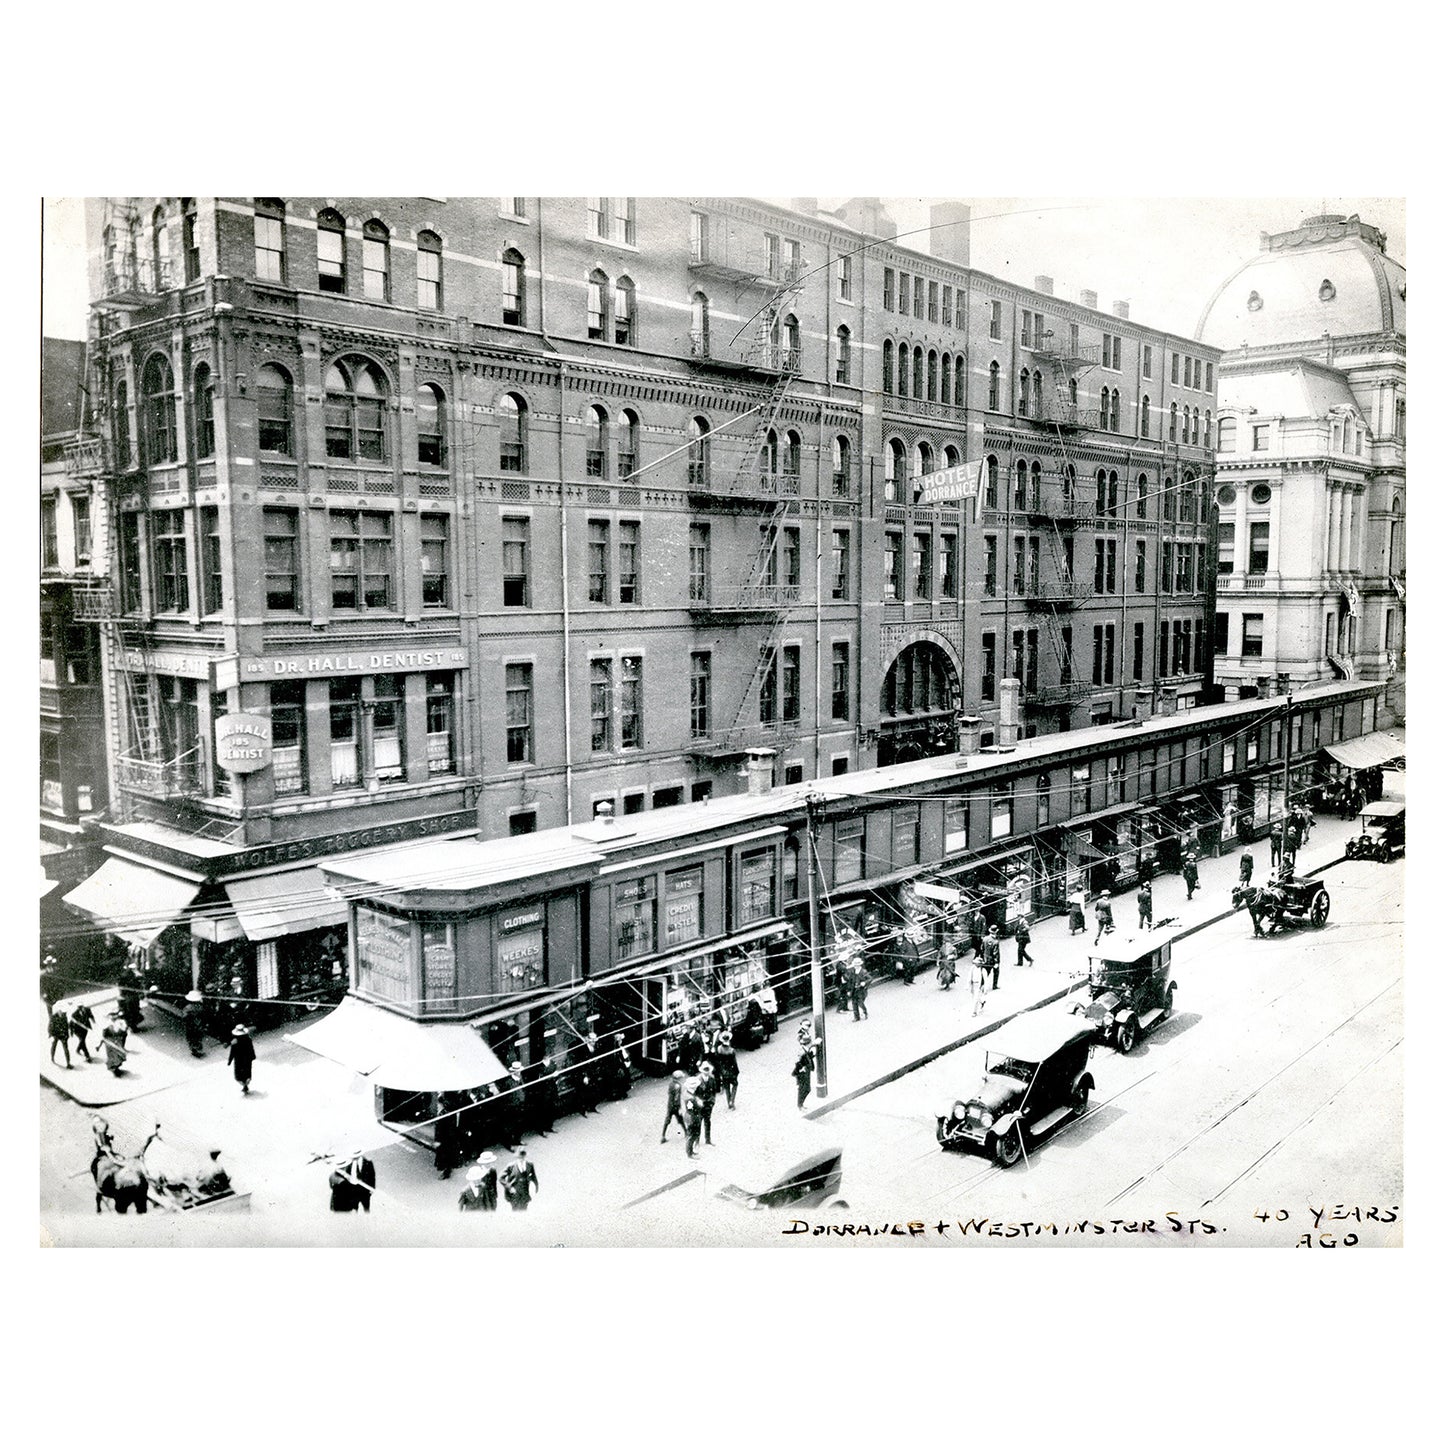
1310,474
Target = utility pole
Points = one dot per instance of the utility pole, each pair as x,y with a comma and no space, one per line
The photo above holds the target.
815,957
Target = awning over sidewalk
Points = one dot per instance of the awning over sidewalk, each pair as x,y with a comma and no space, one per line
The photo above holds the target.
136,902
1369,751
399,1053
281,903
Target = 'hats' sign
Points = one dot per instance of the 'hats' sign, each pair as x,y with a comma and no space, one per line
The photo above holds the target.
243,742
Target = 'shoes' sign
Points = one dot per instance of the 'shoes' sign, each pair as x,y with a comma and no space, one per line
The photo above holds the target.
243,742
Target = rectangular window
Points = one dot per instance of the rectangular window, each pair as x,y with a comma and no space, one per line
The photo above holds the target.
1066,655
772,256
845,278
948,305
757,891
792,557
1166,566
288,738
948,565
903,293
596,315
1184,567
888,288
388,727
361,561
1098,565
906,834
629,562
375,282
1188,645
1148,361
842,563
428,280
1258,547
634,912
346,732
955,824
1162,668
933,300
515,576
270,248
130,562
1098,672
440,724
597,217
792,258
1140,557
995,320
434,568
847,851
1138,669
1001,818
1260,438
330,259
80,519
1079,788
892,565
682,908
1209,376
1252,644
701,694
600,677
990,566
699,562
630,703
922,565
1174,368
172,581
792,683
211,588
768,686
842,683
1177,659
1018,569
1226,548
988,680
1221,633
519,712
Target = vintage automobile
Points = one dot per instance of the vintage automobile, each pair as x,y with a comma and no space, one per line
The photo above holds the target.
1382,832
1130,991
806,1178
1036,1076
1289,903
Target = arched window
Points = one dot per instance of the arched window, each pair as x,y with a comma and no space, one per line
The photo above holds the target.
1227,427
1141,504
122,427
700,320
1167,495
951,457
1024,392
959,392
512,430
596,442
624,313
698,452
932,375
770,453
1173,421
203,392
918,371
993,383
792,343
514,289
1208,424
1036,478
597,306
945,380
1101,492
922,459
429,271
273,411
793,455
1070,478
902,369
1073,391
355,411
160,249
1103,408
895,470
842,465
1021,485
376,261
1114,409
331,251
629,429
1143,416
844,357
431,430
1194,429
887,368
990,485
159,401
1039,394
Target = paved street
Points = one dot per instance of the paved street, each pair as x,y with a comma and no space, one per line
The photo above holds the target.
1279,1066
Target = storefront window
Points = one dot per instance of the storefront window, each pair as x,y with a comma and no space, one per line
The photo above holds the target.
521,949
848,851
383,955
683,915
955,824
1079,802
1003,818
756,899
635,913
439,968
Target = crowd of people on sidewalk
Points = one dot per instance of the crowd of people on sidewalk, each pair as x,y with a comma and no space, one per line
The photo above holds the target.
693,1088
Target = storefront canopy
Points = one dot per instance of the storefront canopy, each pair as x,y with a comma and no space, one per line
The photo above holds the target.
133,901
399,1053
1369,751
280,903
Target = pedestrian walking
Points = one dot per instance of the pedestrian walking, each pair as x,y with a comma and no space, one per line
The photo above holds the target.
52,986
845,983
991,953
1103,915
130,992
1246,869
619,1069
706,1095
194,1024
82,1020
674,1104
1146,868
976,929
587,1074
977,981
352,1183
519,1182
1077,899
242,1056
1146,906
859,990
803,1073
481,1191
1276,845
59,1027
692,1110
1190,870
511,1107
114,1036
542,1098
1022,937
448,1133
726,1062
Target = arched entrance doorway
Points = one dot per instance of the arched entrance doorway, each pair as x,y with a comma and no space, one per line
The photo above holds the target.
917,705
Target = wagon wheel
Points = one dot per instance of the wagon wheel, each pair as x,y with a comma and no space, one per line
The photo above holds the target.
1320,909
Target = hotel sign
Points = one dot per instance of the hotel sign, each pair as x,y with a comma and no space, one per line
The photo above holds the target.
340,664
955,484
243,742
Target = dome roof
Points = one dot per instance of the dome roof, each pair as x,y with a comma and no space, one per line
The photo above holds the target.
1329,275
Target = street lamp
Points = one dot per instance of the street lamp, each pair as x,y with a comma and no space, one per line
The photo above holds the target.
815,957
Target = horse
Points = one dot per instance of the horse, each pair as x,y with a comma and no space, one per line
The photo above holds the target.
123,1181
1262,901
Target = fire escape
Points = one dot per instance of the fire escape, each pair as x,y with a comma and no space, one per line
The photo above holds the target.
1058,505
755,477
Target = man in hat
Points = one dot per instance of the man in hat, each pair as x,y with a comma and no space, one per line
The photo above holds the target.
991,953
674,1104
352,1185
725,1061
114,1036
511,1107
803,1067
587,1075
59,1027
706,1095
1146,905
519,1181
242,1056
481,1190
542,1097
1103,915
1190,869
858,988
194,1024
82,1020
1246,869
1021,938
692,1110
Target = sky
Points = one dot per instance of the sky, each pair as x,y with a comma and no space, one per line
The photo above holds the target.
1164,255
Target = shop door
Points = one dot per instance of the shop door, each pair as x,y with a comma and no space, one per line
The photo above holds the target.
653,1042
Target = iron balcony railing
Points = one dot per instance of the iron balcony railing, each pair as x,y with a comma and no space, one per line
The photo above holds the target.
177,777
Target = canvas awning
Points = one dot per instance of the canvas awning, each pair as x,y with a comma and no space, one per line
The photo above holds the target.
280,903
393,1052
1369,751
133,901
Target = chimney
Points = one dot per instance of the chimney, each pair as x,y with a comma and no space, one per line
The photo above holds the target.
1044,284
1089,299
806,205
948,240
1121,310
1008,711
969,730
602,815
759,768
1143,705
1168,701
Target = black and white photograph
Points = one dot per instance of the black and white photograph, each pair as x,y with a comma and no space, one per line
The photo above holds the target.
814,722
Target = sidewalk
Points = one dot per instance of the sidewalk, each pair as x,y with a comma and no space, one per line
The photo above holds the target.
594,1165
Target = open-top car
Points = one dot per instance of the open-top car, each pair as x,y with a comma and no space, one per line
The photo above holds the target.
1036,1075
1382,831
1130,991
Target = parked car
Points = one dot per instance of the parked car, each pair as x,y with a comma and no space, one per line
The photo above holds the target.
1382,832
1130,991
796,1178
1036,1076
